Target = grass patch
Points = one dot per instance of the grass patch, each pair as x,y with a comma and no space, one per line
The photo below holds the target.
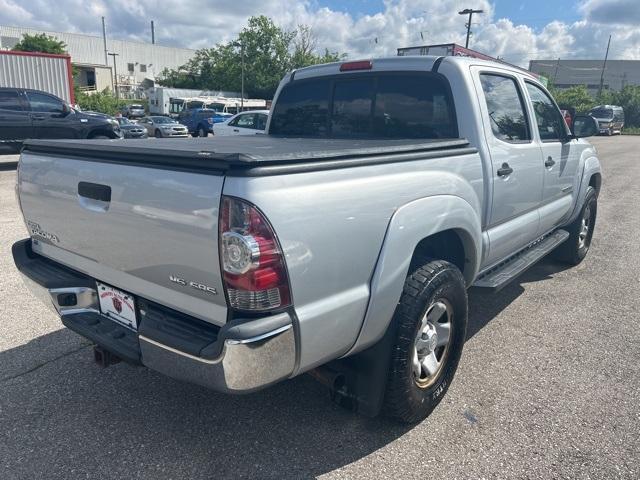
631,131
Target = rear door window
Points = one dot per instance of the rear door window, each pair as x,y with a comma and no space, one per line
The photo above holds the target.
367,105
10,100
505,107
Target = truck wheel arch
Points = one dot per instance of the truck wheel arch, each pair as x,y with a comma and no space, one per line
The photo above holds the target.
596,182
417,230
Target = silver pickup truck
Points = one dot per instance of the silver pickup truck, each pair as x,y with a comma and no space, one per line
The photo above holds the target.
342,243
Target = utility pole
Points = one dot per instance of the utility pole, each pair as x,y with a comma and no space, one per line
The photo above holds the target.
604,65
470,12
555,74
104,40
115,73
153,33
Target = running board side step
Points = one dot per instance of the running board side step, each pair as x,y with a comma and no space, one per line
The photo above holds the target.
500,276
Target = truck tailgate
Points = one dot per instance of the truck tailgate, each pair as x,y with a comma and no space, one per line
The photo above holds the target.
148,231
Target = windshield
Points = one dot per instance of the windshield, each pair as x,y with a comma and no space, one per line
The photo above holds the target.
601,113
162,120
367,105
123,121
136,107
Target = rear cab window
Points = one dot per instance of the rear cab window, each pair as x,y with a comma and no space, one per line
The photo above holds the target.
407,105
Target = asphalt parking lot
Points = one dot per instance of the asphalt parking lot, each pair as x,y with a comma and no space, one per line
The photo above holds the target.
548,386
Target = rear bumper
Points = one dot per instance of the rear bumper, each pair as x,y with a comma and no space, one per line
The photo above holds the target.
242,356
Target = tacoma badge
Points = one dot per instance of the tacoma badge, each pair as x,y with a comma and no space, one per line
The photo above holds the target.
196,285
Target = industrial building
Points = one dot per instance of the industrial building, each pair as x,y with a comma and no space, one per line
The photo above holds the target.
569,73
136,63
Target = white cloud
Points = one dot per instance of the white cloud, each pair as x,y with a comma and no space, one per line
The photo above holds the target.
202,23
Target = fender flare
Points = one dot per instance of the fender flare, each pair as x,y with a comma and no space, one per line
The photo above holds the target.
590,167
410,224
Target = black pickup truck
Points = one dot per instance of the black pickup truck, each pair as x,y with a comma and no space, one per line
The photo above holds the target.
28,113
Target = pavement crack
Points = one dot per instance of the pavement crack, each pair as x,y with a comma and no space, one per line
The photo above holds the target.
40,365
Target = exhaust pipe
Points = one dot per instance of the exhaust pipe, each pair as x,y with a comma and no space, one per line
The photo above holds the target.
338,386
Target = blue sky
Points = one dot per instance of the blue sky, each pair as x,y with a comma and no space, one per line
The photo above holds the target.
534,14
518,30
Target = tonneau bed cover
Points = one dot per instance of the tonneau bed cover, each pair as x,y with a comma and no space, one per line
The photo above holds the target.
241,153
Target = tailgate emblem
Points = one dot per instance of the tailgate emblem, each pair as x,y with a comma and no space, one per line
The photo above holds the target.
37,231
198,286
117,304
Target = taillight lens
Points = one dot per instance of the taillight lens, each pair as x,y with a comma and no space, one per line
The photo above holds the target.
254,272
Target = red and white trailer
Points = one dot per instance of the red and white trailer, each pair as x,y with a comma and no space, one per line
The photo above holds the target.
39,71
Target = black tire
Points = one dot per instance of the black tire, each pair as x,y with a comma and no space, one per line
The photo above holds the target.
203,133
157,134
405,399
100,137
194,134
574,249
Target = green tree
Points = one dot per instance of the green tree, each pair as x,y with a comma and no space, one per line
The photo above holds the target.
266,50
577,97
40,43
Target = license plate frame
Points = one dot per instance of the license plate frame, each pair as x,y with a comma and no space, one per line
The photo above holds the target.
118,305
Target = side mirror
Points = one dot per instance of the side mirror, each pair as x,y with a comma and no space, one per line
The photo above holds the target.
585,126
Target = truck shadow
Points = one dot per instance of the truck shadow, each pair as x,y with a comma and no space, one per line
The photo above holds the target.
484,307
64,414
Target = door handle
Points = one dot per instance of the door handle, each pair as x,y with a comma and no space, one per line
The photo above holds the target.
236,130
95,191
37,117
549,162
505,170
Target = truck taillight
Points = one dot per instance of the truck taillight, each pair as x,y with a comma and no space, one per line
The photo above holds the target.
253,267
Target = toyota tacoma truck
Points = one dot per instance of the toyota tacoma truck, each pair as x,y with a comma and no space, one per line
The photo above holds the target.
342,243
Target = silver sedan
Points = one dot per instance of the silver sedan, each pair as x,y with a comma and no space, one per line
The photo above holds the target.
163,127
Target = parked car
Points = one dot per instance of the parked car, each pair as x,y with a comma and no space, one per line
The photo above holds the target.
245,123
26,113
130,129
133,111
199,121
610,118
341,243
163,127
568,117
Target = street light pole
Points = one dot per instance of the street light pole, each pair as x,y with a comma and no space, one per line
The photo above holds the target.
241,45
470,12
115,73
242,79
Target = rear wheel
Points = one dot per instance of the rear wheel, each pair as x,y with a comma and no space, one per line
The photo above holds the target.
158,134
431,323
575,248
202,132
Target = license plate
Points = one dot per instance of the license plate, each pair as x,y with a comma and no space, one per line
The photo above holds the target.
117,305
